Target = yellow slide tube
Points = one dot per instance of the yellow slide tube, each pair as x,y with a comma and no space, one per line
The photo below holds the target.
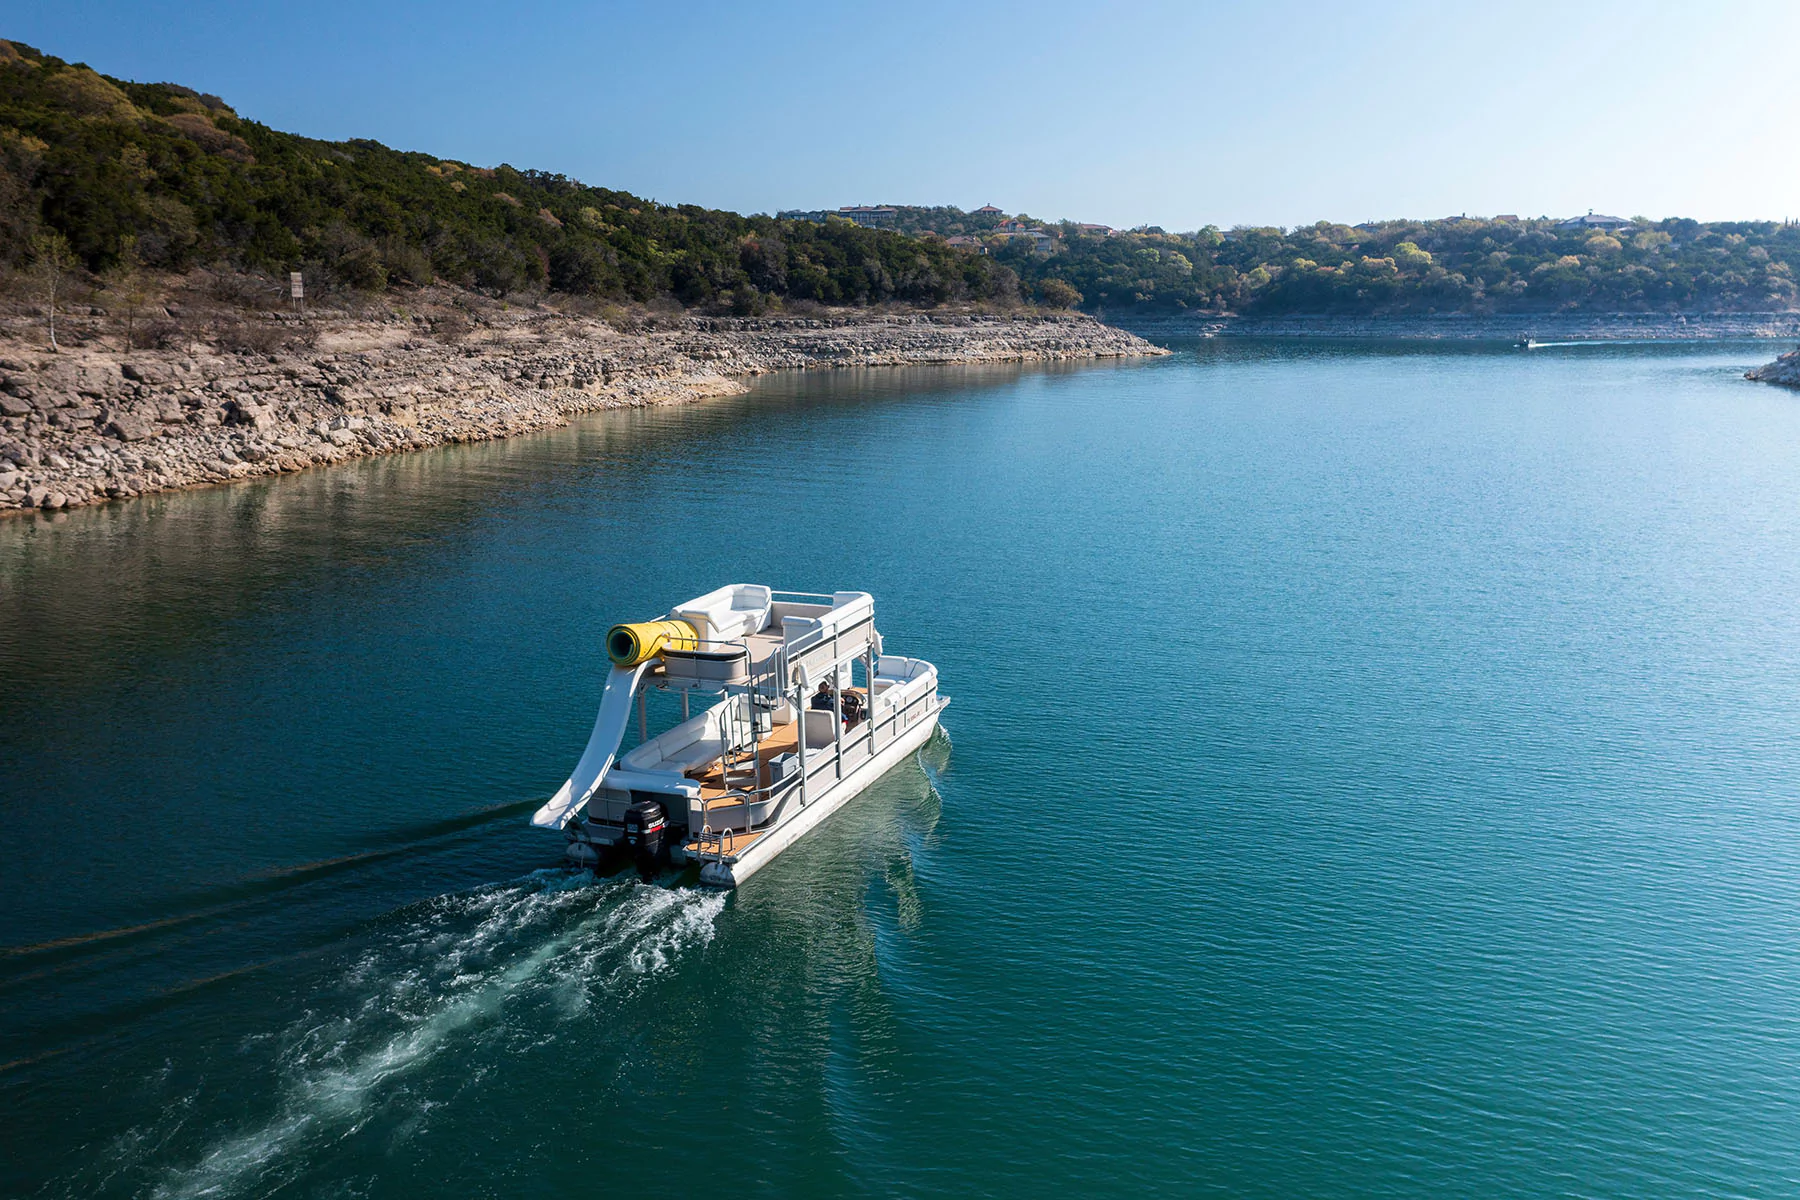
629,645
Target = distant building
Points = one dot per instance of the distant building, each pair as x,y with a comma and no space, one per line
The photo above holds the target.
1594,221
988,210
1513,217
1098,230
869,217
1041,240
962,242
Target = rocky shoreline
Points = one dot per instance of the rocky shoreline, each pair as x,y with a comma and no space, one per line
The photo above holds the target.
1469,327
1784,371
89,424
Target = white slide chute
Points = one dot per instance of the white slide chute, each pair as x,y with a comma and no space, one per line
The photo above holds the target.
597,759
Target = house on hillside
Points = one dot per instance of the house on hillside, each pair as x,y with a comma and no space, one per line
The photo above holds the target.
1594,221
988,210
963,242
868,216
1095,230
1041,240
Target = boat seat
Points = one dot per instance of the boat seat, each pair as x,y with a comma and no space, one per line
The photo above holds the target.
819,728
676,758
728,614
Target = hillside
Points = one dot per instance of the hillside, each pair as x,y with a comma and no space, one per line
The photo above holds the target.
173,179
1470,265
181,180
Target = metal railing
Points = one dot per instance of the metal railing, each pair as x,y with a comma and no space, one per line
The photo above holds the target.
766,684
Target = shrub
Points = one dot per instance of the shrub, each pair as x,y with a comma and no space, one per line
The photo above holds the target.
210,137
1057,294
451,327
162,334
250,337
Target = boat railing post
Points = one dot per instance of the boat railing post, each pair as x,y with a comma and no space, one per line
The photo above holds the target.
869,706
643,714
837,718
800,722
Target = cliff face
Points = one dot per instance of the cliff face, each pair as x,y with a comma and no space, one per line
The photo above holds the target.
1784,370
89,425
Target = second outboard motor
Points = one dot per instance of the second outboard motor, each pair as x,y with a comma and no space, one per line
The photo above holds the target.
644,835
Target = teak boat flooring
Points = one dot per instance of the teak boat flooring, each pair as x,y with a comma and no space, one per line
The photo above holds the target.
732,843
715,787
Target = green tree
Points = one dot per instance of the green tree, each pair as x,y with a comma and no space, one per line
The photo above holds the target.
127,286
1058,294
51,263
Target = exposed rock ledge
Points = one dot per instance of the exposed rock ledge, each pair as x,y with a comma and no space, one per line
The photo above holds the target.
1680,327
1784,370
90,425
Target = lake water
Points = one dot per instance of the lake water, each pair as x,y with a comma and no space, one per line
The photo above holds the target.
1373,772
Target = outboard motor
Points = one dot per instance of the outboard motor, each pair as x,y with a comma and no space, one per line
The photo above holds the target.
644,835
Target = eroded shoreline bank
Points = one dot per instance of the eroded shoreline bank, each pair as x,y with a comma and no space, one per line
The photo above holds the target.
1468,327
90,424
1464,327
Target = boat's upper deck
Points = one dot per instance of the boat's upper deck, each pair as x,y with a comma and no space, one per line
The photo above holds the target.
741,612
750,637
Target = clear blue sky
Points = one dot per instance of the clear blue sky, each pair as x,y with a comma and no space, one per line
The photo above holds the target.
1174,114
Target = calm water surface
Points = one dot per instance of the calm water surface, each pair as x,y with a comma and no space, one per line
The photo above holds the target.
1373,772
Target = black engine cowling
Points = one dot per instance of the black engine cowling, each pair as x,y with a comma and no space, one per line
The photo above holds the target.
644,826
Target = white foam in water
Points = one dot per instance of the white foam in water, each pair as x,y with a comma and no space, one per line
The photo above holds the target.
438,982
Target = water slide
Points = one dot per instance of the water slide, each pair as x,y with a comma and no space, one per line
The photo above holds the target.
609,731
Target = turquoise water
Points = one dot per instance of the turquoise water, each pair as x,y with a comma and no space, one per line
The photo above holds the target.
1372,772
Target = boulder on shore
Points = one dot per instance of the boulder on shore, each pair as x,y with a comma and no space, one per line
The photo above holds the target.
128,427
1784,371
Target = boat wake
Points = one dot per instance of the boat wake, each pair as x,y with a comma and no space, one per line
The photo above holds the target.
453,973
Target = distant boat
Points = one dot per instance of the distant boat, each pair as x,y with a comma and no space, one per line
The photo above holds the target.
1525,342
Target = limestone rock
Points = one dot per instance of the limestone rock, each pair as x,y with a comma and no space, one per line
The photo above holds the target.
217,418
1784,371
143,372
129,427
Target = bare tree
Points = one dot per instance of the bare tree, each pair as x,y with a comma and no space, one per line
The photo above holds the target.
51,261
126,283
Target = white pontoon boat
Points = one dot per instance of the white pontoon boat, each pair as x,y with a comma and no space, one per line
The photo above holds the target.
802,712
